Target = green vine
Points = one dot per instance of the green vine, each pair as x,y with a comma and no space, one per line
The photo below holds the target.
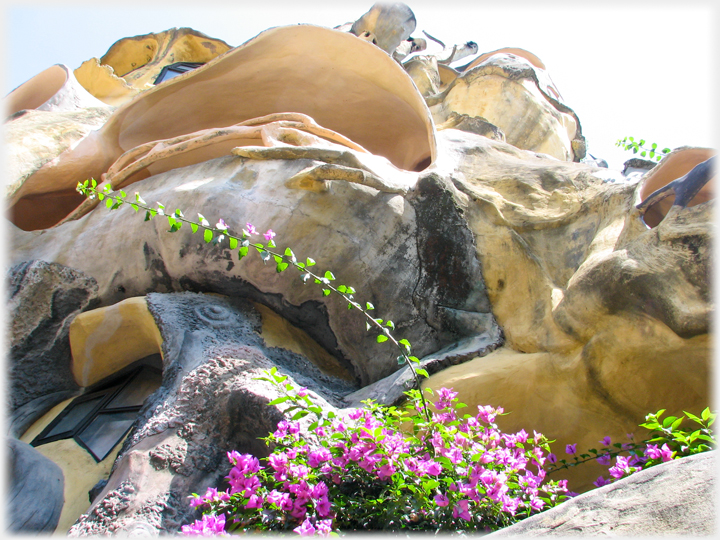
243,244
631,145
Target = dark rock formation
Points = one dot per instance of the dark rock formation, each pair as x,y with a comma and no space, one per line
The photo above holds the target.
44,299
35,490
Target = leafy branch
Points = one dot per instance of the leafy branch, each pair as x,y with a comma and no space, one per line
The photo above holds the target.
668,432
630,144
217,234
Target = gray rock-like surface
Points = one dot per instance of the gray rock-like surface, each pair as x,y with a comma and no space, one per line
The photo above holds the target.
413,258
209,402
35,490
673,498
44,299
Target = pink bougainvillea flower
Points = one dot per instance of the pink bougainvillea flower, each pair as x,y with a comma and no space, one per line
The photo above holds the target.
441,500
606,441
209,525
306,529
221,225
571,449
269,235
604,459
552,458
324,527
250,228
461,510
600,482
653,452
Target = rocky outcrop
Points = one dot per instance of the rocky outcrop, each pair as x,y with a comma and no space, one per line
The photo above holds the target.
511,89
44,299
210,402
677,498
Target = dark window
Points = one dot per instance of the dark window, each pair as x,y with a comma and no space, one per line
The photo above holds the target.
173,70
100,419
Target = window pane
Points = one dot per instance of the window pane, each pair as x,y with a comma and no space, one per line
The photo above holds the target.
134,394
105,431
76,414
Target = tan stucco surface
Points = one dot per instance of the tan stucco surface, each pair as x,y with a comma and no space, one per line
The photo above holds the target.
81,472
278,332
132,64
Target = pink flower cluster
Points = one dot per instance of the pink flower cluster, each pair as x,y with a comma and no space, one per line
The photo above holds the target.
250,230
625,465
464,468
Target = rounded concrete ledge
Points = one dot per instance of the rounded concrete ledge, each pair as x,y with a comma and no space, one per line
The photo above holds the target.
54,89
105,340
673,498
343,83
676,164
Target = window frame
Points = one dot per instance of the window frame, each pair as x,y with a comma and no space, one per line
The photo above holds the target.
178,67
112,388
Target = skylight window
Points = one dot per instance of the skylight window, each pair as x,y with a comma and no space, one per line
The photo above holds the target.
173,70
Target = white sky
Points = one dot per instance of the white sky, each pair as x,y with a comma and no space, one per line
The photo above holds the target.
648,70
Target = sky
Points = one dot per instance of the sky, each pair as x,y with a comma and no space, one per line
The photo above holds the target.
641,69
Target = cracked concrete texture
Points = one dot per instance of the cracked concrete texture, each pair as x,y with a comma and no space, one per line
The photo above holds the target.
210,402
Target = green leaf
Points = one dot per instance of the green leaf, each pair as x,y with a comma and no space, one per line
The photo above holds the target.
139,199
350,290
643,153
342,288
329,275
309,262
242,252
668,421
390,324
654,146
148,217
279,400
676,423
108,202
300,414
233,242
281,267
422,372
271,244
705,414
369,306
194,227
326,292
135,206
381,338
208,235
400,359
93,182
